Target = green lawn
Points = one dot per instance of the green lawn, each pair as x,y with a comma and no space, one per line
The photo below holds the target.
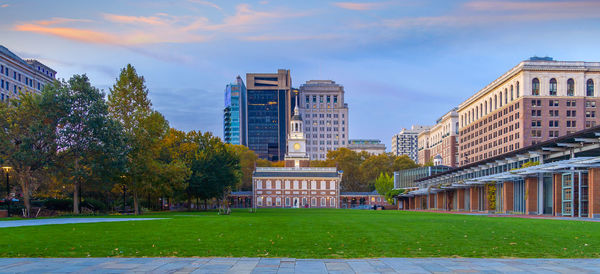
309,233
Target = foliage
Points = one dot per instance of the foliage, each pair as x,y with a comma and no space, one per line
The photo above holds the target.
530,164
90,144
215,168
384,184
491,195
145,130
28,139
361,168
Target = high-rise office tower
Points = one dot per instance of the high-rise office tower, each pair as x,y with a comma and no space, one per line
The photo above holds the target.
18,75
234,114
406,142
326,117
269,109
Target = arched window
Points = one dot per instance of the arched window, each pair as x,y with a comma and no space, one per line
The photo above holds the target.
535,86
501,99
589,90
570,87
476,113
490,104
552,87
485,107
511,93
505,96
517,89
495,102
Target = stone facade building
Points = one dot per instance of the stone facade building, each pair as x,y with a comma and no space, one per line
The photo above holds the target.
18,75
537,100
325,112
439,144
371,146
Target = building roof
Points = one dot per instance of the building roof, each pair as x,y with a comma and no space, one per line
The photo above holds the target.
354,193
298,172
241,193
559,143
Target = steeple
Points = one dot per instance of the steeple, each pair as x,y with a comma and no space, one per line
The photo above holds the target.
296,149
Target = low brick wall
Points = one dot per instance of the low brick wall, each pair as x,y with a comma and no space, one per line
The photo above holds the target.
3,213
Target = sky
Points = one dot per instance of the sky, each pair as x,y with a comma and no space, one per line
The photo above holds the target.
401,62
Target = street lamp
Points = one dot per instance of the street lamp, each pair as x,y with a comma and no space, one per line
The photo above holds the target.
6,170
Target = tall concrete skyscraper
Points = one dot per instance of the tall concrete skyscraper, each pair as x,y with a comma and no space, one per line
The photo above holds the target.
326,117
234,114
269,109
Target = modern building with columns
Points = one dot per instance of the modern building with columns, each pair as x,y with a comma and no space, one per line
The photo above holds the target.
538,100
561,179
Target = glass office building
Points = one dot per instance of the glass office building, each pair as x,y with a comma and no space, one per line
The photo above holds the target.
406,178
234,114
269,109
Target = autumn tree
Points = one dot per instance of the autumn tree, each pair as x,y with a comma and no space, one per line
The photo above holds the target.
144,129
28,140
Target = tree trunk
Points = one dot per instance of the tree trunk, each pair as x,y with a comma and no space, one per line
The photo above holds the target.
76,198
169,203
205,204
136,205
76,189
26,199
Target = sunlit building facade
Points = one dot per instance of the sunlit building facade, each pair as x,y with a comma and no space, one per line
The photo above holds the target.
537,100
18,75
325,113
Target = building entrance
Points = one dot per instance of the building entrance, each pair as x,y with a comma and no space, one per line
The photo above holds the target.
575,194
296,203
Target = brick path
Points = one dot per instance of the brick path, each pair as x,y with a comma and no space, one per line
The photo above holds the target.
276,265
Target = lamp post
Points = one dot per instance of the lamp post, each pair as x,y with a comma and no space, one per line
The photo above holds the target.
6,170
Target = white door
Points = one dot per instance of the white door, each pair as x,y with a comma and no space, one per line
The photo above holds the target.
296,203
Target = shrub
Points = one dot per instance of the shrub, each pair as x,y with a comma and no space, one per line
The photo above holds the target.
59,204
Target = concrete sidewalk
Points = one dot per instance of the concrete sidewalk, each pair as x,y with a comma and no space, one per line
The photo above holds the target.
283,265
62,221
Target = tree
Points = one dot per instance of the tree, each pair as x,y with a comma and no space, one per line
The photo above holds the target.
247,163
384,185
28,144
143,127
89,142
348,161
215,169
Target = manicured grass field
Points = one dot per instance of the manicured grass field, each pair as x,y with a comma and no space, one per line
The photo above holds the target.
309,233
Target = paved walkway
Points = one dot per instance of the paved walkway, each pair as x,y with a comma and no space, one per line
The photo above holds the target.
275,265
60,221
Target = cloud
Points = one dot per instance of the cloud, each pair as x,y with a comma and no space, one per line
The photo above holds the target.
146,30
260,38
360,6
61,20
4,6
126,19
246,19
530,6
129,30
206,3
478,13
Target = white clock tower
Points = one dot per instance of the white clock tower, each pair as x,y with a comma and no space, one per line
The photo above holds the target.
296,142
